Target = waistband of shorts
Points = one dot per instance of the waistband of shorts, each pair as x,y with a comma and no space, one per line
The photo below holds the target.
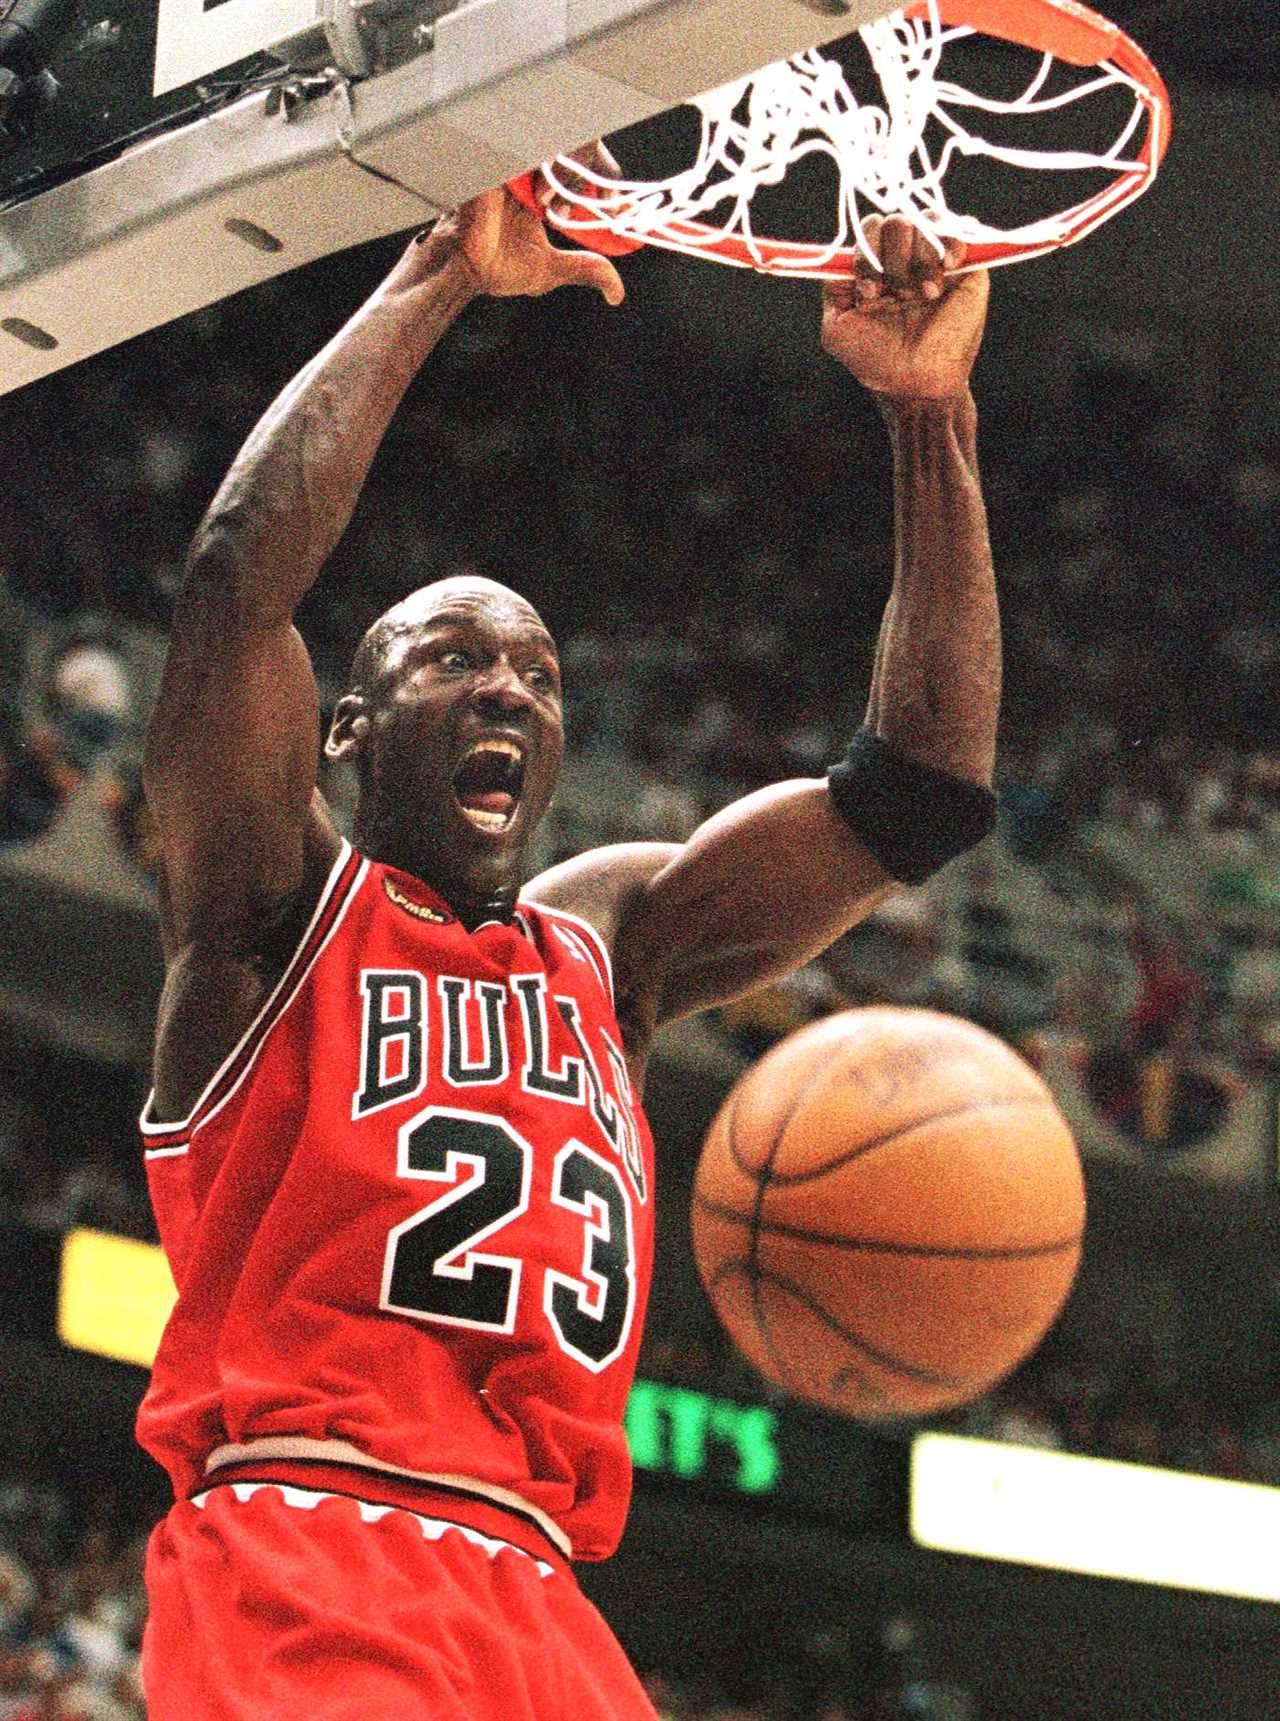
449,1502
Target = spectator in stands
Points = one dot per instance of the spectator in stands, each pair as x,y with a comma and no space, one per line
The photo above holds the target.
88,694
17,1594
35,780
1064,1039
124,802
1168,988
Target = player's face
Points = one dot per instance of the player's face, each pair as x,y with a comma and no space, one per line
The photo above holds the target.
465,734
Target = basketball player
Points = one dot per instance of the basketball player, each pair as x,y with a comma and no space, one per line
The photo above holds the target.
395,1146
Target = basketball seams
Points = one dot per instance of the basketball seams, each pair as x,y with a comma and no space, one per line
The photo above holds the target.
881,1246
1000,1102
884,1359
763,1177
731,1134
740,1092
813,1308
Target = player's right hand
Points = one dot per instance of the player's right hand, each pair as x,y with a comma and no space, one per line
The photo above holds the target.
509,251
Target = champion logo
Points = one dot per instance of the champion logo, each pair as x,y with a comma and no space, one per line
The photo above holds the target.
418,910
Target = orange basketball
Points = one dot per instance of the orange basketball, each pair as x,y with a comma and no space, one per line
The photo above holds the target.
888,1212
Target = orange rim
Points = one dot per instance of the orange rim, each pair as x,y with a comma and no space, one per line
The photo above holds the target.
1068,30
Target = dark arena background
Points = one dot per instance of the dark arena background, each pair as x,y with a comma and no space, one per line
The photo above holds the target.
698,502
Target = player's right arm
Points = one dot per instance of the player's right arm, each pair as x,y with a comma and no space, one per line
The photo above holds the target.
232,745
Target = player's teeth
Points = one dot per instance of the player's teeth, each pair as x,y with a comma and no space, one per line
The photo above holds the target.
507,749
487,821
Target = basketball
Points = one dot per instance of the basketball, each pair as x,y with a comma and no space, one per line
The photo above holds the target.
888,1212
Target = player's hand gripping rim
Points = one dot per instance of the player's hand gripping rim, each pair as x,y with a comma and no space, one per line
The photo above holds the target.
505,244
904,323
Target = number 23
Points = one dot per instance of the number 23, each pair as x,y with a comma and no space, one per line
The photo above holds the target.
434,1271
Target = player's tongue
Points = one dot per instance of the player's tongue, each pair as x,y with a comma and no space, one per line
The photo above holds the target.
487,785
489,801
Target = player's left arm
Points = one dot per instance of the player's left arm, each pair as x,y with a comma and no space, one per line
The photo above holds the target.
776,877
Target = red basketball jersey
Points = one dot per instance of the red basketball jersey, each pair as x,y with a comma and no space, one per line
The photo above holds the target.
410,1218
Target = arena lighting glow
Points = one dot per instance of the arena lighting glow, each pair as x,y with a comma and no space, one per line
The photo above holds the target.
1095,1516
114,1296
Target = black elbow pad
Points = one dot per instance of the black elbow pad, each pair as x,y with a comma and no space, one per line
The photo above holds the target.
912,818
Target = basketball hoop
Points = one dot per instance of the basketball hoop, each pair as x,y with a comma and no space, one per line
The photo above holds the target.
754,129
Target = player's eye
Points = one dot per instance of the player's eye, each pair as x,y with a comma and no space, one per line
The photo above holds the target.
539,676
456,661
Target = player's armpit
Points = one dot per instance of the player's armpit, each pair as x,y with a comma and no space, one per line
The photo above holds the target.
602,887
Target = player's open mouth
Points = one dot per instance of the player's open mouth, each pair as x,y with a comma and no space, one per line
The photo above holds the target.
487,784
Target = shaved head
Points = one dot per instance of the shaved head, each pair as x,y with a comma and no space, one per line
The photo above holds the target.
458,593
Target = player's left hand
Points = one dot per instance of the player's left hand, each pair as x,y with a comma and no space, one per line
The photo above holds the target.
909,330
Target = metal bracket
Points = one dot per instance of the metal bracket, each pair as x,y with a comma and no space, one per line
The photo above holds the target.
340,20
344,115
368,37
290,97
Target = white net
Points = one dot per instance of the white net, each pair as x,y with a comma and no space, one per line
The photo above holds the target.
891,158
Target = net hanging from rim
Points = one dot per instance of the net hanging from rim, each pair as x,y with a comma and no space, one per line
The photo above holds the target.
754,129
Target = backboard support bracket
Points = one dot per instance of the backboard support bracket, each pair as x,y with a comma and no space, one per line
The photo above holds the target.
498,86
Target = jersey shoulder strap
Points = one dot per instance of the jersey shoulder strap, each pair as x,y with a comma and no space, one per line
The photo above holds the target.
578,935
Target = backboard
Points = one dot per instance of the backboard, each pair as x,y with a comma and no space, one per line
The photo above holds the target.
199,147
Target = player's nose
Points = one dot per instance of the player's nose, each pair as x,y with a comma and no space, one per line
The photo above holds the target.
500,687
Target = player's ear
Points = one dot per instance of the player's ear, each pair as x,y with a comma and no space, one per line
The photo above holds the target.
348,728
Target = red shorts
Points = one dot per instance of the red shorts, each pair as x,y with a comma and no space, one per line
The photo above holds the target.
271,1602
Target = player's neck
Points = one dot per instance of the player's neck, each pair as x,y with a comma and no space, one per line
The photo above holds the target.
476,889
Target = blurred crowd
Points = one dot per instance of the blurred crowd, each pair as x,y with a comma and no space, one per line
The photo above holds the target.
64,723
830,1675
68,1150
1138,1413
72,1606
